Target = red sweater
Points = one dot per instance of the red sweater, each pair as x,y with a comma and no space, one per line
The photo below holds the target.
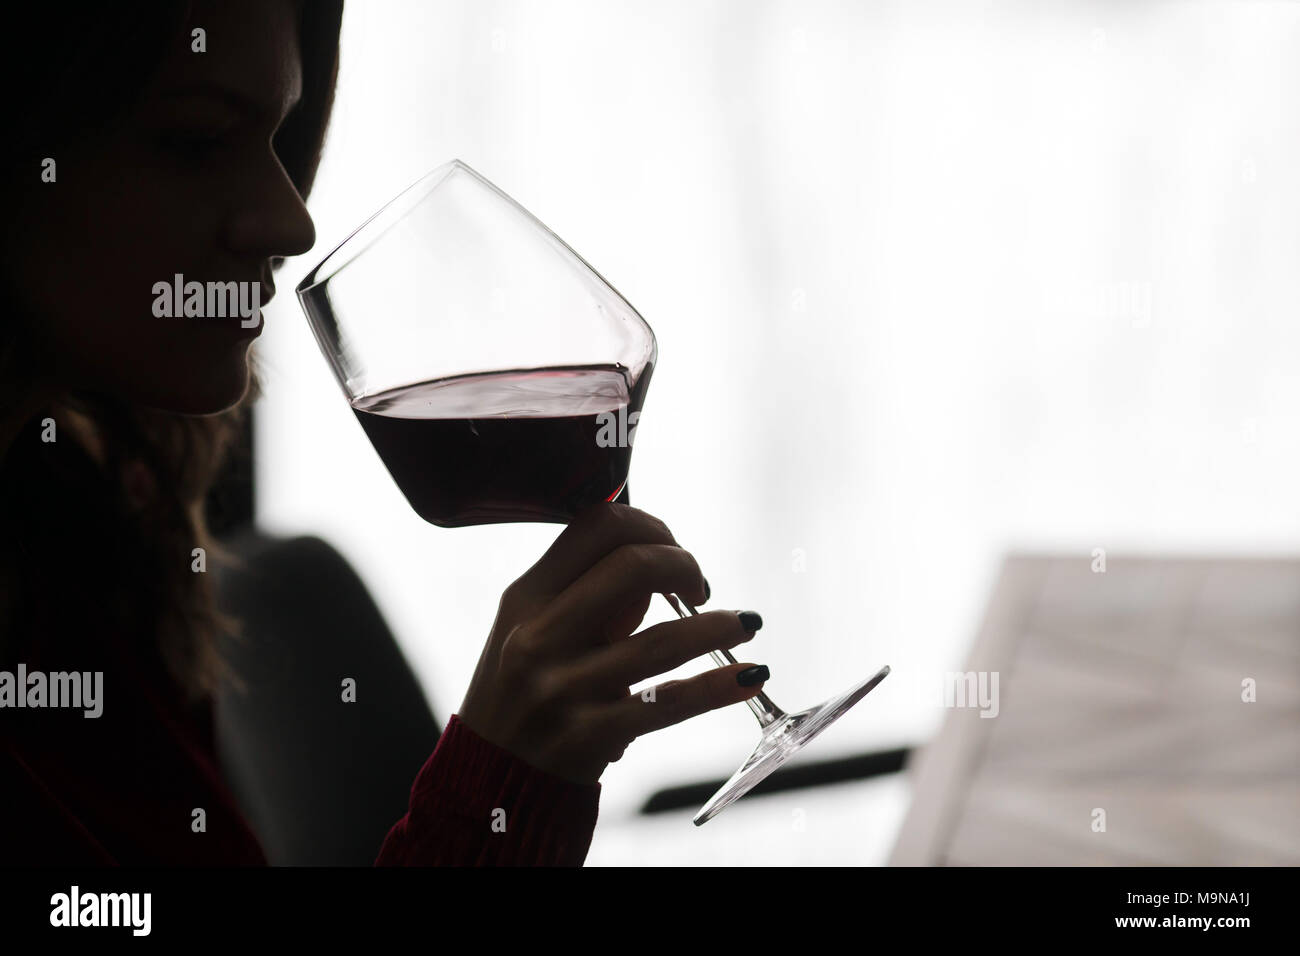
122,788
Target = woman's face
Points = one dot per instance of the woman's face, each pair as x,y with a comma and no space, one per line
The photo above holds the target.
187,183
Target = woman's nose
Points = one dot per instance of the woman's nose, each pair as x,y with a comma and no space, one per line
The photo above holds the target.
271,221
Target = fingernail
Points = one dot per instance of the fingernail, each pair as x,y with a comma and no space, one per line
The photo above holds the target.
755,675
707,590
750,621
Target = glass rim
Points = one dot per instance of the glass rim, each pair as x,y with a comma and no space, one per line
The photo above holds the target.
380,221
311,287
401,205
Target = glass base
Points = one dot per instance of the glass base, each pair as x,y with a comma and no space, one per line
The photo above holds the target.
782,739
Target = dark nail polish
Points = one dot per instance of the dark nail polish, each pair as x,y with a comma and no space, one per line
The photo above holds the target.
755,675
708,591
750,621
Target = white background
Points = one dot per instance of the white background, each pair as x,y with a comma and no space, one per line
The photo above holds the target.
931,281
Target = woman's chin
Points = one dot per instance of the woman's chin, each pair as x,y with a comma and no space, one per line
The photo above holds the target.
210,390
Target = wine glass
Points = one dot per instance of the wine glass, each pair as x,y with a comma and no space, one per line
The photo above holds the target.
500,378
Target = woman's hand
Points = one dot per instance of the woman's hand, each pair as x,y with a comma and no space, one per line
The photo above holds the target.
552,683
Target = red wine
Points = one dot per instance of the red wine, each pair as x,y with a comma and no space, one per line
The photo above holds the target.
520,445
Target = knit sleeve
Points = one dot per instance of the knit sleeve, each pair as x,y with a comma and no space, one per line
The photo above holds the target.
475,804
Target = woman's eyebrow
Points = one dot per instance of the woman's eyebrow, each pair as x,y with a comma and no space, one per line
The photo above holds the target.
235,99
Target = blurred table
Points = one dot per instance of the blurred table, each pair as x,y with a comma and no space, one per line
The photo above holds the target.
1120,700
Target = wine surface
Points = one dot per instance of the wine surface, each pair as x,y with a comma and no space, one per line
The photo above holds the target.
519,445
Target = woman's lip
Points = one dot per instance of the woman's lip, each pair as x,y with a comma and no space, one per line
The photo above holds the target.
235,323
252,331
265,289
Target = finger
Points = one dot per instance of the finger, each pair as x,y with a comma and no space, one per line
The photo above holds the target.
659,649
582,612
591,535
628,620
671,703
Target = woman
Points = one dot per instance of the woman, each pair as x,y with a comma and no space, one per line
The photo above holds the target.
169,138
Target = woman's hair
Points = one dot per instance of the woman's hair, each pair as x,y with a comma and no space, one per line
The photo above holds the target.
79,552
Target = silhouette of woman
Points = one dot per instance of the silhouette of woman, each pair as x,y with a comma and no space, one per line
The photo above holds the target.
164,138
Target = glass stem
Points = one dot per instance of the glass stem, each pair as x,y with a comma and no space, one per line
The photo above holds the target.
764,709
